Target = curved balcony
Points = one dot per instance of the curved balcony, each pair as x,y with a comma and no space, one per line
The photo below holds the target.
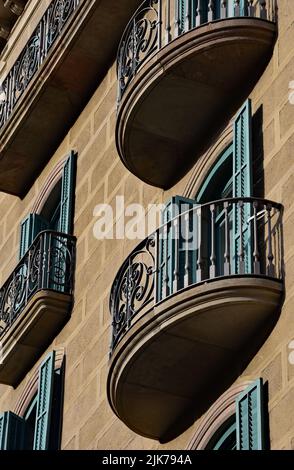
182,75
59,68
186,319
35,303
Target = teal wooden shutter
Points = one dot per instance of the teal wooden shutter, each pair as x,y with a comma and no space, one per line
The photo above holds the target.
44,403
67,195
25,235
250,418
169,248
242,187
182,14
12,431
29,229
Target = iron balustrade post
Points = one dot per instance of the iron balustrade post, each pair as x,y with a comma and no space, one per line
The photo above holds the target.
159,26
168,36
199,270
211,13
187,22
176,233
237,8
177,19
198,13
166,261
223,9
187,275
256,256
251,8
29,256
270,256
212,268
156,266
227,264
263,9
241,250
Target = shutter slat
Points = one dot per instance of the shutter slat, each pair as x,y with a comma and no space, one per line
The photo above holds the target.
242,185
12,431
44,403
182,11
67,195
250,418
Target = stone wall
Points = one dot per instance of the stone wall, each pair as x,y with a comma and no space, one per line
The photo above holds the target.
88,420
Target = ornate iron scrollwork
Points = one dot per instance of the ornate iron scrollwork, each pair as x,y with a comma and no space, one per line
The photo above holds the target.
152,273
58,15
133,287
139,41
35,52
48,264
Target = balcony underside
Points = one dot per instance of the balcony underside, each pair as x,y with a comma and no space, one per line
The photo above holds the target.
186,92
36,326
179,356
59,90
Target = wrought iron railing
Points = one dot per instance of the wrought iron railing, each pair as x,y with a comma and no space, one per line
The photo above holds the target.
231,237
48,264
158,22
49,29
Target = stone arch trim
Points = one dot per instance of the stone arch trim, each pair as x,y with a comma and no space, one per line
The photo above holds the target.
31,387
218,414
202,167
48,186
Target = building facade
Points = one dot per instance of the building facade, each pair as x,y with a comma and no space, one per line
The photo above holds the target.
162,320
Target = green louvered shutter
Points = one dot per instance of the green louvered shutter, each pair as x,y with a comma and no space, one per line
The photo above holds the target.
250,418
12,431
182,14
166,283
67,195
25,235
29,229
242,187
44,403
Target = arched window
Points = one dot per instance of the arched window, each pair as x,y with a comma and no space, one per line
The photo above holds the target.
225,438
57,210
218,183
36,422
236,421
217,236
51,209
